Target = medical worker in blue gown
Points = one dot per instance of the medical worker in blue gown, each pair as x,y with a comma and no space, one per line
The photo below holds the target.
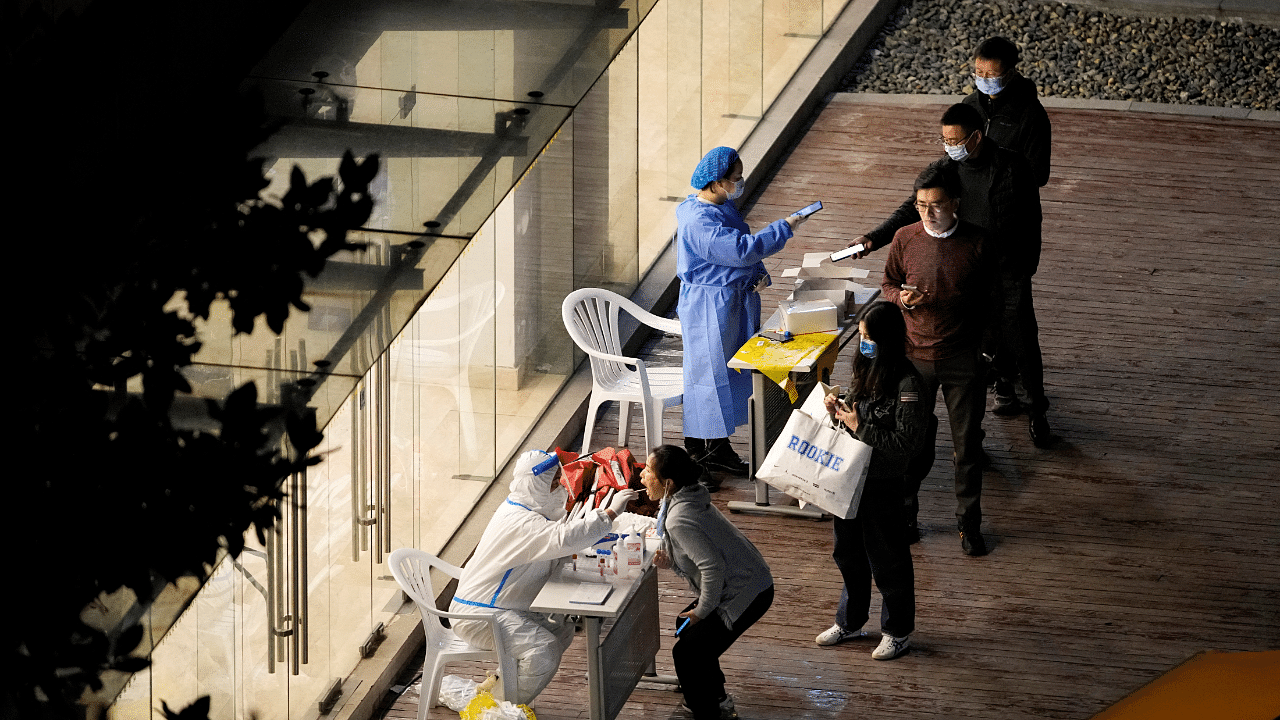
721,273
513,559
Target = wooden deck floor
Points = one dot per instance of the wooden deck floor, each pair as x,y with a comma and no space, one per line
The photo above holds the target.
1148,533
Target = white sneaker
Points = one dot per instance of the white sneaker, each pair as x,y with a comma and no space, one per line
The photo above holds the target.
836,634
891,647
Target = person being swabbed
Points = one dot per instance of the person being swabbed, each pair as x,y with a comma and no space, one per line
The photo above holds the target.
515,557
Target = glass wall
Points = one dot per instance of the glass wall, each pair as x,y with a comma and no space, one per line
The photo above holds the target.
528,149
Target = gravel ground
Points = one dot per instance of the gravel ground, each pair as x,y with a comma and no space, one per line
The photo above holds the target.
1072,51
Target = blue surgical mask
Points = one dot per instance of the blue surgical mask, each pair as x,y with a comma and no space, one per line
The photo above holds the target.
959,153
989,86
738,187
867,348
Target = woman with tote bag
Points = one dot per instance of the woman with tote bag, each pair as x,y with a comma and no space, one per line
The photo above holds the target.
884,410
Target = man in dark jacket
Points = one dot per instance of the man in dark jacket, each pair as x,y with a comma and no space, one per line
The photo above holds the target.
1002,197
1014,119
1007,102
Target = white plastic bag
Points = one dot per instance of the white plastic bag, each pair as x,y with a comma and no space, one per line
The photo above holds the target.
816,461
456,692
504,711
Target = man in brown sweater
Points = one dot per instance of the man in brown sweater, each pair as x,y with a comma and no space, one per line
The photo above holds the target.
943,275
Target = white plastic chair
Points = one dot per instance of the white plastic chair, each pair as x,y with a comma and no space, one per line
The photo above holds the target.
591,317
412,570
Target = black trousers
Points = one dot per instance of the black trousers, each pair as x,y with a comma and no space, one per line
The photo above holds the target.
875,545
697,655
1018,349
964,392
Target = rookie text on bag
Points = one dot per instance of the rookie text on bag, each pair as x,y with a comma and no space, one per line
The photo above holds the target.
824,458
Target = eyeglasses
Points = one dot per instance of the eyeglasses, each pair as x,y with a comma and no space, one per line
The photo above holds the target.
987,75
946,142
923,208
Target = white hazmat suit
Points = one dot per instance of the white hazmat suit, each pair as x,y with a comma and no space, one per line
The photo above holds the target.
514,558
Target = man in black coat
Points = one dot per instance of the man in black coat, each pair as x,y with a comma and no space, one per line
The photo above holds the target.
1000,194
1009,107
1014,118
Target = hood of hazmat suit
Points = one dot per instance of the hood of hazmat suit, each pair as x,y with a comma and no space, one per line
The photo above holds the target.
535,492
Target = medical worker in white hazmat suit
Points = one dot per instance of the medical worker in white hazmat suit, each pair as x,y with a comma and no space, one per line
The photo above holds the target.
719,262
512,561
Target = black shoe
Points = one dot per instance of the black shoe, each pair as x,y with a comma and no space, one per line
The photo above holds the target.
1039,429
720,456
708,481
696,447
972,543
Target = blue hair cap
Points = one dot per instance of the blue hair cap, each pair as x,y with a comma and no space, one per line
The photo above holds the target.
713,166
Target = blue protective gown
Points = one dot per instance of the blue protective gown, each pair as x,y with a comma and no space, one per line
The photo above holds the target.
718,262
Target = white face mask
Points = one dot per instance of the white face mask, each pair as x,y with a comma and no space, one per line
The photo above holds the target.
989,86
559,498
738,188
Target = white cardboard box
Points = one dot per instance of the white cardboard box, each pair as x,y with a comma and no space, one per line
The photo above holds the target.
813,316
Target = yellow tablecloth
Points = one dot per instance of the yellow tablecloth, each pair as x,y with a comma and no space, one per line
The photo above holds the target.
776,360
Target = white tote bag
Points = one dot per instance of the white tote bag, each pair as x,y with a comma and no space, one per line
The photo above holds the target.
817,461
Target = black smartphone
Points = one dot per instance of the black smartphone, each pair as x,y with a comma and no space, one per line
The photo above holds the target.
809,209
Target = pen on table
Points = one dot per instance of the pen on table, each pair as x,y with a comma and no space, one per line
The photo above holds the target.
686,622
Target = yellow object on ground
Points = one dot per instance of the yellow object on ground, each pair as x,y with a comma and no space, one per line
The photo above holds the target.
1210,684
475,710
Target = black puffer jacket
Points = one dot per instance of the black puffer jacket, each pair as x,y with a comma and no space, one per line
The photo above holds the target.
894,426
1016,120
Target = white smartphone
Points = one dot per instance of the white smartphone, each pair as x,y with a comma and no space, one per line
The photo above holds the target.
847,252
808,209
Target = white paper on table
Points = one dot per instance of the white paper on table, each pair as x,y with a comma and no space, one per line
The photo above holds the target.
589,593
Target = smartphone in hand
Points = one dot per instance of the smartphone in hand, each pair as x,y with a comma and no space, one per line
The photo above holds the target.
847,252
809,209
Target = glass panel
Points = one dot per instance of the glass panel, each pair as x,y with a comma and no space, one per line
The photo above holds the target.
481,48
214,648
791,30
604,181
745,64
357,305
447,159
442,406
669,118
731,56
831,10
339,493
262,685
